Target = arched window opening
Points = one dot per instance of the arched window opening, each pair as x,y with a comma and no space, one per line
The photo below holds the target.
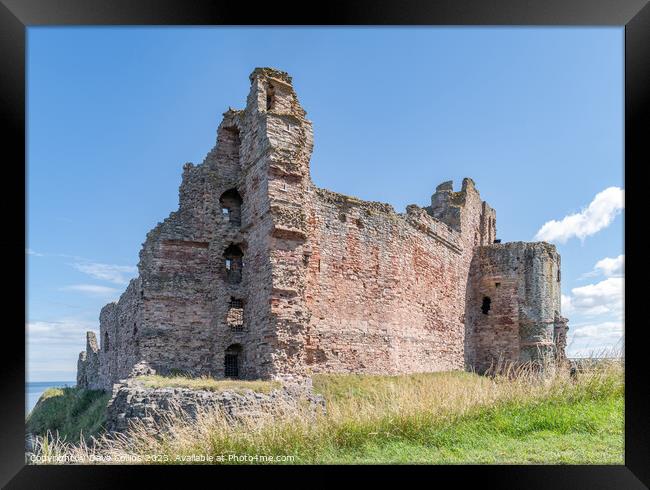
270,97
231,203
234,262
235,317
232,361
105,341
485,307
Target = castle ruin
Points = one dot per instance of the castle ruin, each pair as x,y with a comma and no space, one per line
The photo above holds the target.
260,273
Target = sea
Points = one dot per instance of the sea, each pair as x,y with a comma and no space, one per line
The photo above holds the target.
35,389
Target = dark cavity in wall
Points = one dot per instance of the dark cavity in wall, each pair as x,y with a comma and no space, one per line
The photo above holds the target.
270,97
485,307
232,361
234,262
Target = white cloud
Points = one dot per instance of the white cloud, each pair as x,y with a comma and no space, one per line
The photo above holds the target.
117,274
602,330
69,331
54,346
611,267
604,297
92,289
597,216
596,339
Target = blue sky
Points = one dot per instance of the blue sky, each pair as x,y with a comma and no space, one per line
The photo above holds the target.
533,115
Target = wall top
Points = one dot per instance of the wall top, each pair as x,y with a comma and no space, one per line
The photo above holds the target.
270,72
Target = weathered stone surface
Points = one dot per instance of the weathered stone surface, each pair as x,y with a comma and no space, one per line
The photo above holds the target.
513,305
132,402
260,273
88,365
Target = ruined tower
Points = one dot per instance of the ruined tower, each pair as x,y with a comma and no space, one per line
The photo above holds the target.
260,273
513,305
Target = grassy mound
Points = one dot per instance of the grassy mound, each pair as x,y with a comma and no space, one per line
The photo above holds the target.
205,383
68,411
438,418
547,432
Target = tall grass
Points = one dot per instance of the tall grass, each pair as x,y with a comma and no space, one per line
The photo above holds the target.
430,417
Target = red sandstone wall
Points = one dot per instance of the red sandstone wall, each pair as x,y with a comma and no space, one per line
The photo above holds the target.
187,294
185,288
329,283
384,295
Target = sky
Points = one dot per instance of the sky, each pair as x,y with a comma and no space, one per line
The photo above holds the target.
533,115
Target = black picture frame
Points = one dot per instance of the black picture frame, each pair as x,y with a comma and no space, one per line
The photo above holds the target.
17,15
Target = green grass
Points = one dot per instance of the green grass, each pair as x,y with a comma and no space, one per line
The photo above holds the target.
550,432
68,411
205,383
435,418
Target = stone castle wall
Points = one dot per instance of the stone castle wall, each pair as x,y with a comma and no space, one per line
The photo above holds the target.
119,325
513,304
386,290
260,273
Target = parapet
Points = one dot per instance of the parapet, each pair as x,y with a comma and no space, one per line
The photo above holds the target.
510,257
448,206
272,92
272,73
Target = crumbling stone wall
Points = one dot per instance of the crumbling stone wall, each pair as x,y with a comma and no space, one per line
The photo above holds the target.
88,365
321,282
120,333
513,305
132,402
386,290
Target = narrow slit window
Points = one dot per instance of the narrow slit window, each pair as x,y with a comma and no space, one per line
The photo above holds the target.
485,307
270,97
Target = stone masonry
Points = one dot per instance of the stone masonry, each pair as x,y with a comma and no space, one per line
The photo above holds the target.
88,365
261,274
132,402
